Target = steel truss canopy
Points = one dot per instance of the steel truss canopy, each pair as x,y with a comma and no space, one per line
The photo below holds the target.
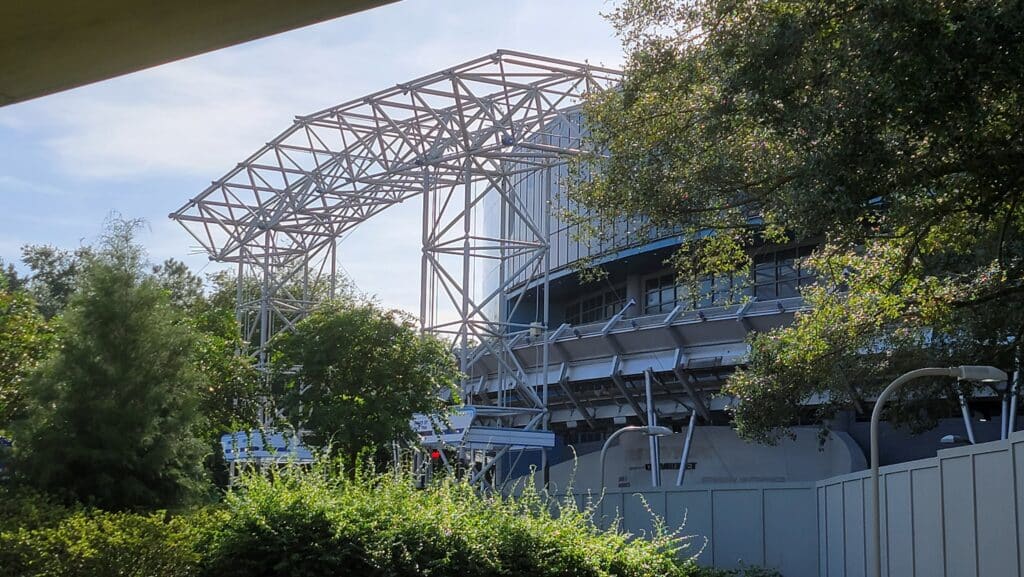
336,168
463,140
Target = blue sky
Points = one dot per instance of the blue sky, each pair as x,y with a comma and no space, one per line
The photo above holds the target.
144,143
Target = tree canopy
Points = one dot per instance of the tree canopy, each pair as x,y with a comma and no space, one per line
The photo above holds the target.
25,340
353,374
112,416
886,132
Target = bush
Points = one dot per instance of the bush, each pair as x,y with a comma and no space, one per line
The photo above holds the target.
317,524
89,543
24,508
326,522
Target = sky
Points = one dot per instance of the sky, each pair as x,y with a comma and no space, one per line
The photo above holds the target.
142,144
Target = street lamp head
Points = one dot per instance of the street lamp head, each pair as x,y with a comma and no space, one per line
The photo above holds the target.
657,431
979,373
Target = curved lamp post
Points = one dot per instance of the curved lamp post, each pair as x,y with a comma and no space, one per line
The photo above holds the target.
650,431
982,374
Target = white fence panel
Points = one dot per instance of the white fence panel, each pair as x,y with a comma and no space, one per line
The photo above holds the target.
959,514
955,515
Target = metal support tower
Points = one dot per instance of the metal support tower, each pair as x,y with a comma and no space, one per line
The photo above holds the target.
463,139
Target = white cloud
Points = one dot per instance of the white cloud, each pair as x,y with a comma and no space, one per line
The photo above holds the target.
202,115
13,185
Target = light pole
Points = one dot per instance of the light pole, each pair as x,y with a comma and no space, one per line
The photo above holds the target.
650,431
983,374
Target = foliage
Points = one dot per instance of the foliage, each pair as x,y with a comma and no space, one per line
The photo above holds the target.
26,508
184,286
354,374
112,414
888,132
25,339
90,543
231,398
9,277
328,523
55,274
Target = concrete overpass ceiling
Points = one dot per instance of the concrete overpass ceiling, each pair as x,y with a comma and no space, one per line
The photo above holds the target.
51,45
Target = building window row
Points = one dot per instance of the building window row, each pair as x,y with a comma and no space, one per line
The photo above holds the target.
596,306
775,275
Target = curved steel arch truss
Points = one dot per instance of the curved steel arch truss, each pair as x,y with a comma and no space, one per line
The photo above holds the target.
460,139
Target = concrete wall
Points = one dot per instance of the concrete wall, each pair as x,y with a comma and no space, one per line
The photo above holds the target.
955,515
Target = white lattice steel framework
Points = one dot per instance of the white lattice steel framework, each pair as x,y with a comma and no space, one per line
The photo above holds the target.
461,139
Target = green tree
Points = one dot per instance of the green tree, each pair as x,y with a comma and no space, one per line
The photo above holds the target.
112,415
25,339
231,396
9,277
184,286
888,131
354,374
54,275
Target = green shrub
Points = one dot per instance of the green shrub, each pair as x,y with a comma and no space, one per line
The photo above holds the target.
325,523
24,508
98,544
319,523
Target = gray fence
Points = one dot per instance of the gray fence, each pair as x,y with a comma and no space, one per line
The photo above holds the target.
731,525
958,514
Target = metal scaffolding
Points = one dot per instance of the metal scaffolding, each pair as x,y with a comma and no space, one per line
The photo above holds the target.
461,139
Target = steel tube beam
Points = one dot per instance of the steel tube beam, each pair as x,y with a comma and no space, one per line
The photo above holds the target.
652,420
684,458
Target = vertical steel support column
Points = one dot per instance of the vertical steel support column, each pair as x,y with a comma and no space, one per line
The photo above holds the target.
503,312
334,269
686,449
239,295
652,421
424,261
467,231
265,415
545,352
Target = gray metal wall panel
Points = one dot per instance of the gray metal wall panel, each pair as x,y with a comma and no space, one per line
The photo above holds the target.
958,516
899,535
927,522
639,509
835,531
823,544
1018,481
996,541
737,542
773,524
947,516
853,528
693,507
790,530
